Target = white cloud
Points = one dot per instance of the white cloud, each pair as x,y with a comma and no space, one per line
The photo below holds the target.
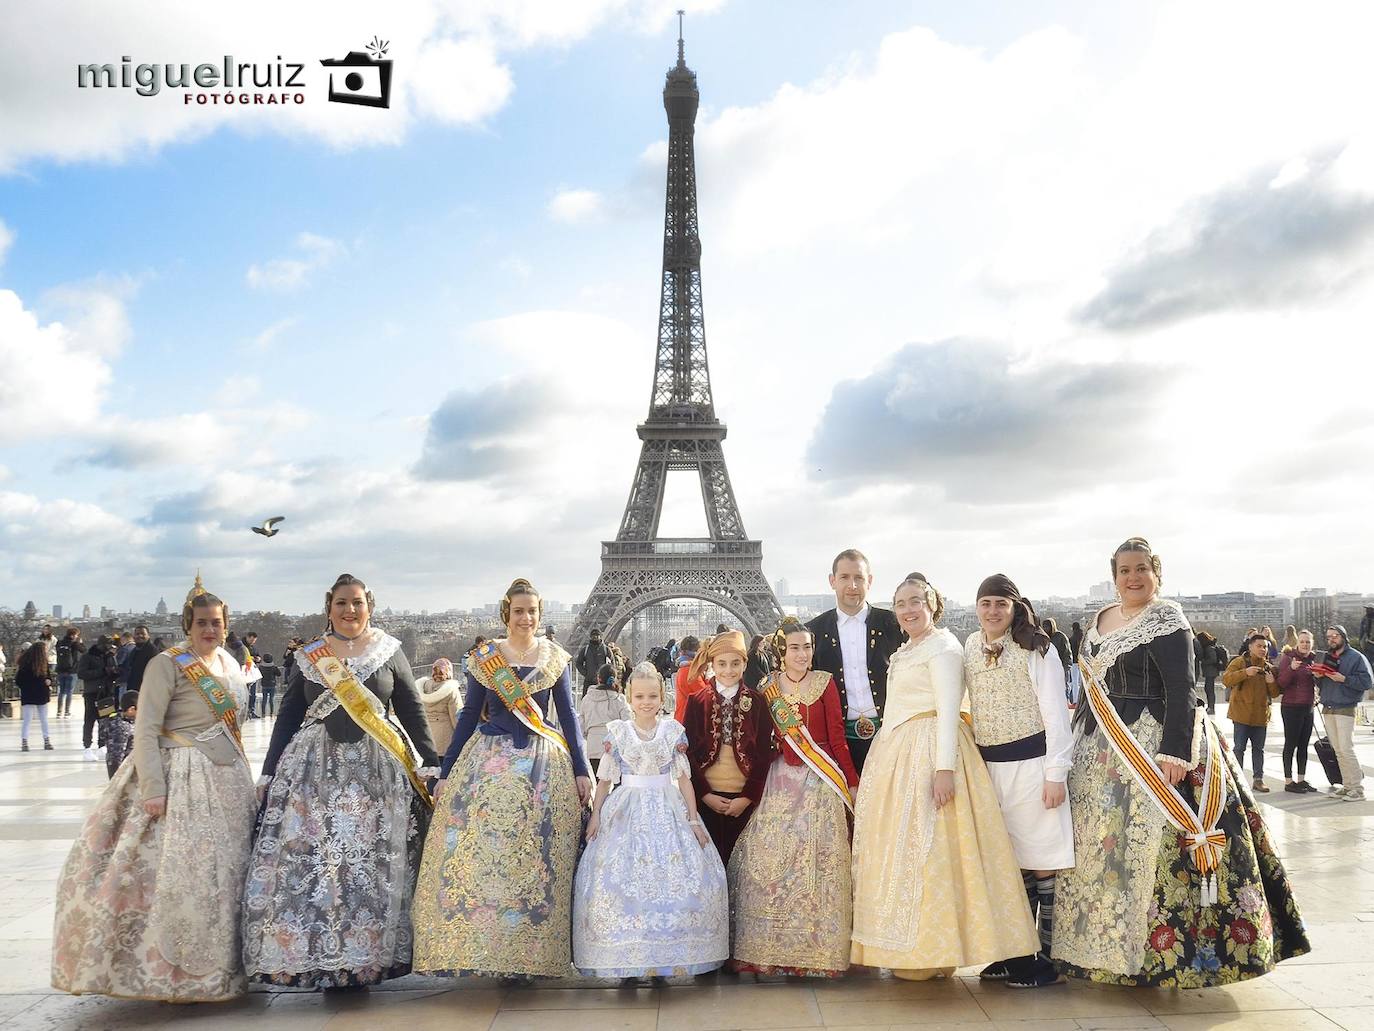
267,337
284,275
6,238
57,373
574,206
450,65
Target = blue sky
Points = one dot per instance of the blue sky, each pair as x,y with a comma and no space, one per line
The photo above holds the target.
969,270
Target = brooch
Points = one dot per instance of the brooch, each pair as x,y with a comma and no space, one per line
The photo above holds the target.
745,703
864,728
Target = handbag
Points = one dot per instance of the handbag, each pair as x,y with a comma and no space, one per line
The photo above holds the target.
106,706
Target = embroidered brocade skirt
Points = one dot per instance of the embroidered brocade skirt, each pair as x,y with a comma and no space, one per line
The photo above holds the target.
327,903
648,900
933,888
149,908
792,906
495,890
1129,912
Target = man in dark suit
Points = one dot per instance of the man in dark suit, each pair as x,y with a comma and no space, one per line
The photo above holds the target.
854,642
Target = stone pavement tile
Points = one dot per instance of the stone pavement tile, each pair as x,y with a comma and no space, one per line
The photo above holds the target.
1106,1023
1275,1020
416,1011
1332,942
1075,999
946,1001
581,998
35,924
574,1020
739,1006
26,967
1258,994
874,989
1350,1018
245,1014
1329,984
95,1013
12,1006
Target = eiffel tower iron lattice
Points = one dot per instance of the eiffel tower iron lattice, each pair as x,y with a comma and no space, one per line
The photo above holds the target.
682,434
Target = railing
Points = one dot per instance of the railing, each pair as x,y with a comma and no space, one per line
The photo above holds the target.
679,546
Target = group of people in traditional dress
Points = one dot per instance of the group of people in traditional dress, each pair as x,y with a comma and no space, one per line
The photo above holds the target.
885,796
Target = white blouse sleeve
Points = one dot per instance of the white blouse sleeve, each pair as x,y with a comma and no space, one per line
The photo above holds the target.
608,769
1048,678
947,678
681,766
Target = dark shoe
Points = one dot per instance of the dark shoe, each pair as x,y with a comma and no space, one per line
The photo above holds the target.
1294,788
995,971
23,746
1036,973
47,745
1307,787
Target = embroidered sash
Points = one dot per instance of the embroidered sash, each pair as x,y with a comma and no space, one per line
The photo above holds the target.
1206,844
514,693
356,700
220,700
793,730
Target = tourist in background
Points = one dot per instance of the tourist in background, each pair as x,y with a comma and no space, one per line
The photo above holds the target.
494,895
148,901
1076,639
1141,907
119,732
1209,660
1272,653
271,673
684,683
317,914
1253,686
140,657
34,681
602,703
68,651
1290,639
936,883
97,671
441,697
123,656
591,657
1298,697
1340,692
760,662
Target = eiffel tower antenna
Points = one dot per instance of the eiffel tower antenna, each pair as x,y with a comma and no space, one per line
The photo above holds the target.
681,434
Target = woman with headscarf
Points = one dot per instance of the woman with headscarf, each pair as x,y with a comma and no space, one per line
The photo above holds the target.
1177,883
1015,685
790,877
442,698
148,904
936,883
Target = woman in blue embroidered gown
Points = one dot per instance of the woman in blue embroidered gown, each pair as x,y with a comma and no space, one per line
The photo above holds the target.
650,896
495,890
1132,911
327,903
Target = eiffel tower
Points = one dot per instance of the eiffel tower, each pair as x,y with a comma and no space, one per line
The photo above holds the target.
639,568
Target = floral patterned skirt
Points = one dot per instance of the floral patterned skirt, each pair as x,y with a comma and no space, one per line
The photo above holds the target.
648,899
1129,912
327,903
933,888
149,908
792,907
495,890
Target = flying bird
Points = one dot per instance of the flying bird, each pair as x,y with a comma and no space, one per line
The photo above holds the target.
269,528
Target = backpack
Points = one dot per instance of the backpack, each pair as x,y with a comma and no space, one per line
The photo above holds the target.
65,663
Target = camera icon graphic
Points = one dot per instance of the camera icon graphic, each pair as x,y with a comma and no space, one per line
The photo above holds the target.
358,79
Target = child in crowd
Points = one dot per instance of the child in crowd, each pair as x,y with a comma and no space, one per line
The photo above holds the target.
602,704
730,740
119,732
649,898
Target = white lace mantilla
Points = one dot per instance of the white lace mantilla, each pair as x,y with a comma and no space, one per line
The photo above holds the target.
941,640
549,663
1160,619
362,666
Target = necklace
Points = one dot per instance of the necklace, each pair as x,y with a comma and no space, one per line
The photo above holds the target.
1128,617
345,637
798,683
526,652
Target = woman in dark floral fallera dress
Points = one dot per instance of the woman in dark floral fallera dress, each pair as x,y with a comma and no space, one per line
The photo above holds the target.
1135,910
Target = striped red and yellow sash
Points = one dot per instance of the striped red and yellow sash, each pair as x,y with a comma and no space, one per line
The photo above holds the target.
803,745
490,666
1206,844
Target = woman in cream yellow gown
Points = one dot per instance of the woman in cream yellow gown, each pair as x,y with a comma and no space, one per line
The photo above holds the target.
936,884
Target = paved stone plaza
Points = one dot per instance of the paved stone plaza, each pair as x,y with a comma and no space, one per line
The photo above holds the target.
1328,847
